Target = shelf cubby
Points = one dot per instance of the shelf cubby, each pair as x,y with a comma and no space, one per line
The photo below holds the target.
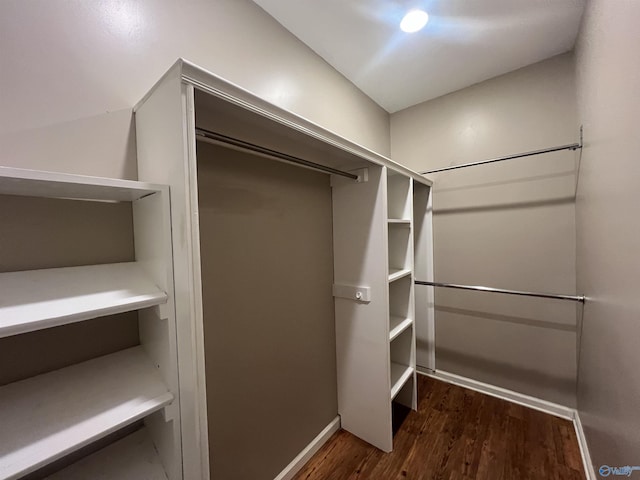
133,457
399,236
398,197
46,417
401,360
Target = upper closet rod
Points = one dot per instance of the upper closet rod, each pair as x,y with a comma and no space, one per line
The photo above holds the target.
574,298
572,146
220,139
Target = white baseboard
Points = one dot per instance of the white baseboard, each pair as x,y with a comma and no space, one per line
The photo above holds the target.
526,401
584,448
515,397
303,457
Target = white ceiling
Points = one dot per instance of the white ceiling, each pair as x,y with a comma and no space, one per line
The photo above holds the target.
465,41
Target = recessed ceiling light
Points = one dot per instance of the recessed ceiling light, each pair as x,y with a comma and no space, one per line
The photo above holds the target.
414,21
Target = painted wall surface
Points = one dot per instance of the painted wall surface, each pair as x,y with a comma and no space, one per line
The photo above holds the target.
70,72
608,230
507,225
269,330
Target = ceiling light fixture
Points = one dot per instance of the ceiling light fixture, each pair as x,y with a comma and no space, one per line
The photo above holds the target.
414,20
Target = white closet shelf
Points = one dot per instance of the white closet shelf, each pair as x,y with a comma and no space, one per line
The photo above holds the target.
35,183
399,376
132,458
37,299
397,325
396,274
46,417
399,221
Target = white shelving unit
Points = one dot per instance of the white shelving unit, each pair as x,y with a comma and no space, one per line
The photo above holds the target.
372,247
46,417
401,314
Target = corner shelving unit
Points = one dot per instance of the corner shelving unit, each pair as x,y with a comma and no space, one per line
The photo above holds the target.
46,417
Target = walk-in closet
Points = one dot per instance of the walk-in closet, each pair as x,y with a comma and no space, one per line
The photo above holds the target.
302,240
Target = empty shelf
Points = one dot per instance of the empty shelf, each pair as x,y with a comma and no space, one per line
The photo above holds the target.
399,221
399,376
397,325
132,458
49,416
37,299
395,274
33,183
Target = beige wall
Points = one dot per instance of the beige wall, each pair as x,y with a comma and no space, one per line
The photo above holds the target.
608,222
70,72
509,225
267,275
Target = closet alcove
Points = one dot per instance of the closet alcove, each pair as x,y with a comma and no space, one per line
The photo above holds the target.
288,299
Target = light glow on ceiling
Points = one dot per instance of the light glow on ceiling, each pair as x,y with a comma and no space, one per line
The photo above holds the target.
414,20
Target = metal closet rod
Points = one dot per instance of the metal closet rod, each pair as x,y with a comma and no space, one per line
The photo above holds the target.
218,138
572,146
574,298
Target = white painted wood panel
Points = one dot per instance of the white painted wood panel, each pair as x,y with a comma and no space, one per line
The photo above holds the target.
397,325
49,416
362,329
399,376
37,299
397,274
36,183
165,139
423,270
132,458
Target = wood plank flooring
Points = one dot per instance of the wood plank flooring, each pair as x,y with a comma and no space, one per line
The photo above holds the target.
457,434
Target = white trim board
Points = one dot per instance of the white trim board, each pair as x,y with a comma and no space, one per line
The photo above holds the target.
526,401
509,395
309,451
589,472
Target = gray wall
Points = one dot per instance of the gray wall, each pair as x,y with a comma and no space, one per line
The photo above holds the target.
267,274
71,71
508,225
47,233
608,223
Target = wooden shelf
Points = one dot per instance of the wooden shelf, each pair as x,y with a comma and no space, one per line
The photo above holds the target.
397,325
49,416
37,299
35,183
132,458
399,376
399,221
395,274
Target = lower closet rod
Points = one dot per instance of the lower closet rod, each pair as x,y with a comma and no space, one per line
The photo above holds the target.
220,139
574,298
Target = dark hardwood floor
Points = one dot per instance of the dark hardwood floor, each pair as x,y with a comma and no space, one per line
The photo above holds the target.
457,434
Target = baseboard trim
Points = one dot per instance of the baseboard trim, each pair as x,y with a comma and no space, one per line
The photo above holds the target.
590,473
509,395
303,457
526,401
